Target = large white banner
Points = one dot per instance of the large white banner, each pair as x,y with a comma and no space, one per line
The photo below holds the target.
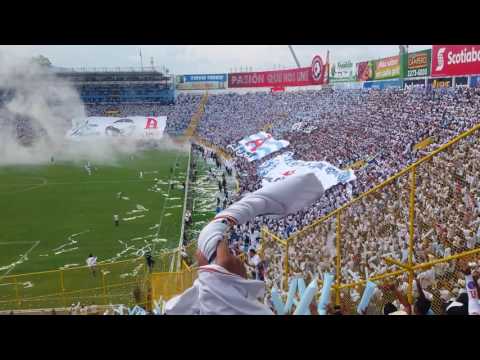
107,127
284,165
257,146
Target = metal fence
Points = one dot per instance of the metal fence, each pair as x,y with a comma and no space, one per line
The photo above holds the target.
167,285
416,224
122,282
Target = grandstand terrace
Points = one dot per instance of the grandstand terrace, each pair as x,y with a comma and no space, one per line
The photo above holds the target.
121,85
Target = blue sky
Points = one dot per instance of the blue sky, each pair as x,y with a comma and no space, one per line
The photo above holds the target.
197,59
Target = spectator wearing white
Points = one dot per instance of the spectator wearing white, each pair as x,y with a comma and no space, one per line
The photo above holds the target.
92,263
222,287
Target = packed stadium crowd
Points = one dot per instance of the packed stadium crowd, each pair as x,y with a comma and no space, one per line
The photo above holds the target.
381,128
345,127
378,126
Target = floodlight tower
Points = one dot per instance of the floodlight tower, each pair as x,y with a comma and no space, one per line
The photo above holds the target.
294,56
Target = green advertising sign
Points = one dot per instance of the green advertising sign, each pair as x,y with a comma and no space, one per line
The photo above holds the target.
417,64
343,71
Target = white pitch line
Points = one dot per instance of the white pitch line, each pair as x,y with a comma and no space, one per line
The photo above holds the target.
24,255
36,186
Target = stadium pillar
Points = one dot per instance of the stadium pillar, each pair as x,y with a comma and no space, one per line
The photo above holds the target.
338,261
411,233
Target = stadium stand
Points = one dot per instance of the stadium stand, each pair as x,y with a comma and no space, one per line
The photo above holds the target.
412,211
117,86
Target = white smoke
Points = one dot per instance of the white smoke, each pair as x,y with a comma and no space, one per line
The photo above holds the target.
46,104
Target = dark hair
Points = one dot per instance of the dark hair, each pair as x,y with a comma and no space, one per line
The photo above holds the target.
253,250
422,306
389,308
90,255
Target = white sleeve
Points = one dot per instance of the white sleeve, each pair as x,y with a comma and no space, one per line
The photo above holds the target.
281,198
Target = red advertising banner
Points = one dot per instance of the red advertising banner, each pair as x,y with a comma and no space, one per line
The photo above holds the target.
452,60
313,75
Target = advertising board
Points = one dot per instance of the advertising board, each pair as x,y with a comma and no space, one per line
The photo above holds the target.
417,64
312,75
454,60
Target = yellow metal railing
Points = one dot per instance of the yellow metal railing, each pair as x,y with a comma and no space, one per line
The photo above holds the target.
113,282
167,285
406,212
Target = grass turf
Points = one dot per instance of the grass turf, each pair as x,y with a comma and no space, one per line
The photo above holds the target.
43,206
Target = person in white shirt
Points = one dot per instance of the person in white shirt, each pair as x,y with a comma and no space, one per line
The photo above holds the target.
92,263
116,219
253,262
222,287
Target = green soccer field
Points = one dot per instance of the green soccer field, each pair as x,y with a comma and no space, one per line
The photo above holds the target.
53,216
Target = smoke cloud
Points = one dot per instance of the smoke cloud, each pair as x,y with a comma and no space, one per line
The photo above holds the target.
36,112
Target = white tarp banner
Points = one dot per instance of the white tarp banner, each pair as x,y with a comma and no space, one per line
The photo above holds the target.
284,165
257,146
107,127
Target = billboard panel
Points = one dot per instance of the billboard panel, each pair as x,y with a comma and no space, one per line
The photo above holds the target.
342,71
418,83
313,75
387,68
98,127
453,60
418,64
440,83
475,81
365,70
201,82
396,83
205,78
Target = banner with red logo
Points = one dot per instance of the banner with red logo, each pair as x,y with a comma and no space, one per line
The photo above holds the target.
453,60
313,75
277,89
106,127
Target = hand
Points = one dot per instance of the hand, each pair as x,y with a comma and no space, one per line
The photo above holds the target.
202,261
228,261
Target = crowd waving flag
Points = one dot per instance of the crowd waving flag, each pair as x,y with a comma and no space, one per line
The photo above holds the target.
259,145
285,165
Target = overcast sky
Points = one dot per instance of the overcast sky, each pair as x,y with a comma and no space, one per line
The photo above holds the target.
197,59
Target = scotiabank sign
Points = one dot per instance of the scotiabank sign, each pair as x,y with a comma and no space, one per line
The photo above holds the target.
452,60
313,75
